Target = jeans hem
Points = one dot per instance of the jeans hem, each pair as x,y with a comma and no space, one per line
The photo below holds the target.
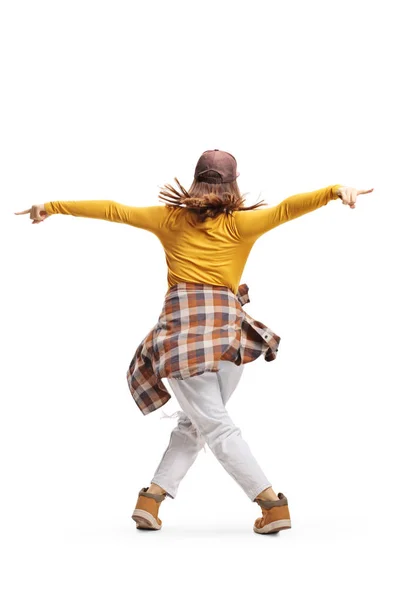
261,489
167,493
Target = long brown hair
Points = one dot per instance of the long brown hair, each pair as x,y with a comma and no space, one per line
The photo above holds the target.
207,199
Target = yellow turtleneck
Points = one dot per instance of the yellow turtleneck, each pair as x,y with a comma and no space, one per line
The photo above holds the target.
213,252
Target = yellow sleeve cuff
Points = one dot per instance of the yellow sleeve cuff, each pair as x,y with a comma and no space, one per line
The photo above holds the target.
335,189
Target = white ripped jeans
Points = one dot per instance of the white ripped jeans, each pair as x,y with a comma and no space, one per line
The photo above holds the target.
205,420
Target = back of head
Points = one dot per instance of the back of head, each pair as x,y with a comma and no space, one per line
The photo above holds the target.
214,189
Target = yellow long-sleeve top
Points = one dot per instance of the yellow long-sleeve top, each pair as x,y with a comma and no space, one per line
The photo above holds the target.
213,252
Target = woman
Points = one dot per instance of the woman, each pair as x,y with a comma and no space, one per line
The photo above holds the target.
203,337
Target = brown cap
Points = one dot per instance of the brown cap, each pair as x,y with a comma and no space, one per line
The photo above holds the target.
216,166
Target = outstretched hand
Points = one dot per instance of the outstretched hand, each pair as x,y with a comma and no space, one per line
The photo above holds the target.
36,213
349,195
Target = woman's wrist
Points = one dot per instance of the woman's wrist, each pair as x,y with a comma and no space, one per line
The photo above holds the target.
337,190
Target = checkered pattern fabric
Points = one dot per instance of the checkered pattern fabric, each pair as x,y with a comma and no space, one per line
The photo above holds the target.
199,325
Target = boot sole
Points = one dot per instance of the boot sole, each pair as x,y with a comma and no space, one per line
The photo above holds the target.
144,520
274,527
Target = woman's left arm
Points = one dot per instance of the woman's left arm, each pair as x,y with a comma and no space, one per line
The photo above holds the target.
144,217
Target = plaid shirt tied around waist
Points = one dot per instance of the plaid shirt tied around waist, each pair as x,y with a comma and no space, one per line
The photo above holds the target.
199,325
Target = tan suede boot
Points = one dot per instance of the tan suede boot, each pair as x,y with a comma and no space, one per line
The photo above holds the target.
275,515
146,510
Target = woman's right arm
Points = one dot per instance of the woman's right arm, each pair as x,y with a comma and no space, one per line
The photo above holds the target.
253,223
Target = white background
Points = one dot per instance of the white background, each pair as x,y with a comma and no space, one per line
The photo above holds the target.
110,100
